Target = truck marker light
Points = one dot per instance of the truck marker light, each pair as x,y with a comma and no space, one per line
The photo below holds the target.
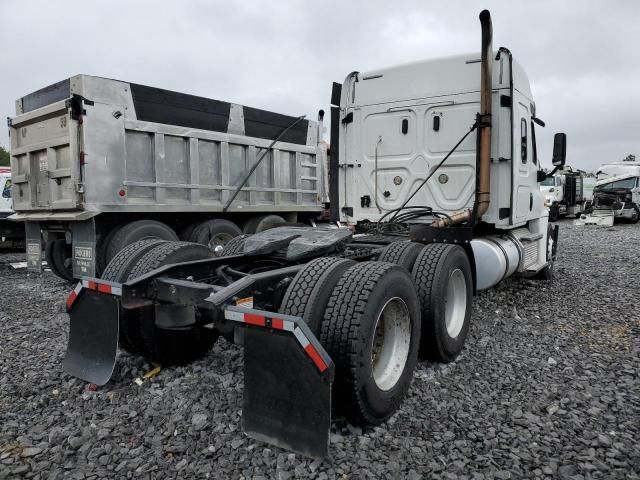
122,192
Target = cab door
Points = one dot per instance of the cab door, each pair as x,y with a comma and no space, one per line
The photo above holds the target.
523,167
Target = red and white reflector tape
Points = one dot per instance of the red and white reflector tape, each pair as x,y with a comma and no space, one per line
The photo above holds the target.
92,285
279,324
73,295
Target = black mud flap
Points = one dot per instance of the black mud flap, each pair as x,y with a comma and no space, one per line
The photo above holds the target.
93,337
287,383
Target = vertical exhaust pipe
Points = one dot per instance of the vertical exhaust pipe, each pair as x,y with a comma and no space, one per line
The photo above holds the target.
484,165
483,188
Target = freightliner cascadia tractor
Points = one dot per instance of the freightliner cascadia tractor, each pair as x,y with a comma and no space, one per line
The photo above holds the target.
434,195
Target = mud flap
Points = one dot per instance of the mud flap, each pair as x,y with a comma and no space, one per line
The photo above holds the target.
287,383
93,337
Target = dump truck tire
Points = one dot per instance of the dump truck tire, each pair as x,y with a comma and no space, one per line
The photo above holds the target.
234,247
118,270
186,232
443,279
309,291
401,253
101,250
48,256
58,256
371,330
177,346
139,230
213,233
262,223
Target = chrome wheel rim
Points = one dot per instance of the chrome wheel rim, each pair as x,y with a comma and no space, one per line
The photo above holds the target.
391,343
456,303
219,240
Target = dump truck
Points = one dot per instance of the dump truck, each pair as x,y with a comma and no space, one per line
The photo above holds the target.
434,196
99,164
567,193
11,234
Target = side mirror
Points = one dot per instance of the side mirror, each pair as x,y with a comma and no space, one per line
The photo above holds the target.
559,149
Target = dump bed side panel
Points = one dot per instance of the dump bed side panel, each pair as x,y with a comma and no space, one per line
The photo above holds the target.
148,149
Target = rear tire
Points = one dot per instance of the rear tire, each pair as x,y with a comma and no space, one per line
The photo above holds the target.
265,222
235,246
442,275
138,230
48,256
371,330
401,253
309,291
58,257
213,233
118,271
101,255
176,346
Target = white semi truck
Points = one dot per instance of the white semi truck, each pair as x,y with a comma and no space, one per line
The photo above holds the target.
99,164
567,192
434,170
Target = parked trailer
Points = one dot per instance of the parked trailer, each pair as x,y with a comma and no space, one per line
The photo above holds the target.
335,321
100,163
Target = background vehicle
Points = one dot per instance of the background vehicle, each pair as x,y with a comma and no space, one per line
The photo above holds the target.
99,163
616,194
11,233
332,320
566,193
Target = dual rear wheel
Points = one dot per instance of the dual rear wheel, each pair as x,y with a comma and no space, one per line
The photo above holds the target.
375,318
139,332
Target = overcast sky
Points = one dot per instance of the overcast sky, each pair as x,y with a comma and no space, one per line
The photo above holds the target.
582,57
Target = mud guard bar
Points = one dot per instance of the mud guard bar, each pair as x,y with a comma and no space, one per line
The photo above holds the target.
288,375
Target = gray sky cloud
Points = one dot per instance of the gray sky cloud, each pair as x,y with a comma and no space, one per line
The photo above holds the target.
581,56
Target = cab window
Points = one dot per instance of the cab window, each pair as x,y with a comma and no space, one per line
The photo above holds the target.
523,140
626,183
6,191
548,182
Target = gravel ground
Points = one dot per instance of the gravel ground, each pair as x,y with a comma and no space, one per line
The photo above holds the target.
547,386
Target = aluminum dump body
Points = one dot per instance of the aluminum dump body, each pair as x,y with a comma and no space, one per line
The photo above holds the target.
88,145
